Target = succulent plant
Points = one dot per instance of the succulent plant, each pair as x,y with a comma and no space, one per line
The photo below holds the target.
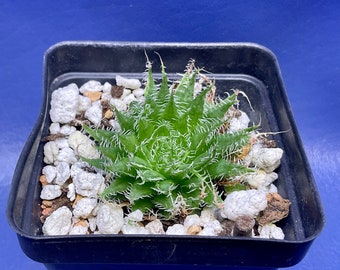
170,152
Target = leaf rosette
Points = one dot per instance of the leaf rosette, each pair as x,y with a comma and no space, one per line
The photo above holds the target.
169,154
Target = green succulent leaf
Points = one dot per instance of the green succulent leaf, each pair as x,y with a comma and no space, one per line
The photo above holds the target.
170,112
230,143
125,121
101,136
150,176
140,190
215,113
145,205
119,185
165,186
135,108
226,169
145,129
122,167
164,92
99,163
234,187
196,109
128,142
112,153
164,202
184,93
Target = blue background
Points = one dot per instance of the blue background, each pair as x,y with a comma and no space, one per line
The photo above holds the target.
304,35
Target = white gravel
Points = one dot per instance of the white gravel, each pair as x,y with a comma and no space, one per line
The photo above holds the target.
50,192
65,171
84,207
271,231
94,113
59,222
244,203
64,104
91,86
88,184
128,83
110,218
82,145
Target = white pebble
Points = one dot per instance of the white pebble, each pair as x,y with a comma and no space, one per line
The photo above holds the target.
119,104
54,128
128,83
207,215
95,113
91,86
50,172
83,145
67,130
64,104
207,231
61,143
129,98
71,193
51,151
79,229
267,159
77,167
244,202
271,231
192,220
135,216
50,192
238,123
176,229
84,207
260,179
215,225
133,229
126,92
138,92
88,184
67,155
92,223
106,96
107,87
59,222
155,227
110,218
63,173
83,104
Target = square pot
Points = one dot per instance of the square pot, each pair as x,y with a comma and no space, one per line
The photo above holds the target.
248,67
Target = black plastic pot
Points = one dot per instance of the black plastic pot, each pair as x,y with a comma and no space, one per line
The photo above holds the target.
248,67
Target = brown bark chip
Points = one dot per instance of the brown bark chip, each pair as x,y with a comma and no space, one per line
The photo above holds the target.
243,226
108,114
94,96
228,226
43,180
194,230
117,91
53,137
49,206
277,209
